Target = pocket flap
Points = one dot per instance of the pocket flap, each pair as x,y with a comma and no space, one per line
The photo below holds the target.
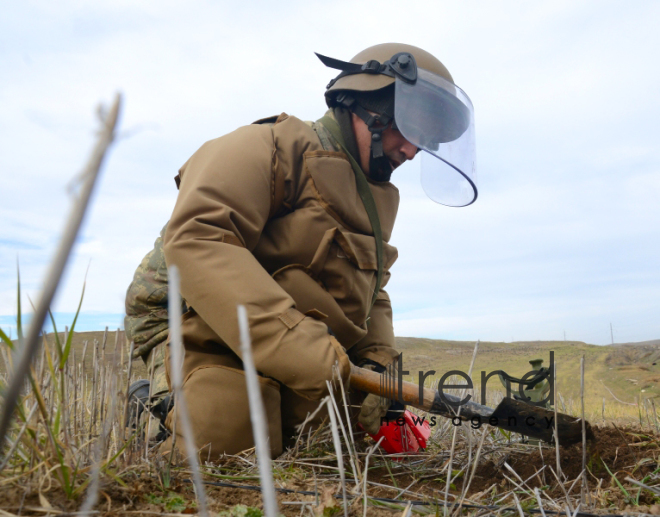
361,250
333,183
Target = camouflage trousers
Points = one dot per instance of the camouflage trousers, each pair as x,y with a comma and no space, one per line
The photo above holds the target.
159,387
155,362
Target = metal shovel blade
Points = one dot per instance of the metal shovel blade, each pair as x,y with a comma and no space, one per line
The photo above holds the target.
538,422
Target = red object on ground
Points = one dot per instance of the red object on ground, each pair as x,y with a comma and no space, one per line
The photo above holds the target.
407,438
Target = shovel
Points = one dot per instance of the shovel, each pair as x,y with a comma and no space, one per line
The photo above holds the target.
510,414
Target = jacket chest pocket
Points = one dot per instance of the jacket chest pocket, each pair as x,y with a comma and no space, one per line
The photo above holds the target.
345,263
331,183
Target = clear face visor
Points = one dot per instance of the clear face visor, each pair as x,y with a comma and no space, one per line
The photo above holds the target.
437,117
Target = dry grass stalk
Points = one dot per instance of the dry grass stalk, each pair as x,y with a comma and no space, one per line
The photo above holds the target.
122,347
475,463
563,489
95,376
370,451
31,344
338,450
346,411
257,416
146,408
538,500
655,417
455,431
579,478
118,374
84,351
103,379
83,380
63,393
558,457
352,460
523,482
308,418
75,395
92,495
128,384
17,440
8,366
176,356
585,487
520,510
406,512
653,490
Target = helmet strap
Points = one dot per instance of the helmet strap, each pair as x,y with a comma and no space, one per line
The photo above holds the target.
380,168
401,66
343,118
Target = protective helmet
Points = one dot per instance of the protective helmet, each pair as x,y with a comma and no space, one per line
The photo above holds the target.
411,90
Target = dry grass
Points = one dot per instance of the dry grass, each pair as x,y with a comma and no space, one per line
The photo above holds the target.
69,426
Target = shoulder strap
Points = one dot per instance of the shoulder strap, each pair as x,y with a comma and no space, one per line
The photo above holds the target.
365,195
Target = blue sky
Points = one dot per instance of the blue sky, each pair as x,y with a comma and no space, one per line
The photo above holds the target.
565,236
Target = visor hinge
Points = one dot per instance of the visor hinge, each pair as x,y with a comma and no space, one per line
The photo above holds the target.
372,67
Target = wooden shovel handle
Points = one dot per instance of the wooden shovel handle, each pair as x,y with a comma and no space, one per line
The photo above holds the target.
387,387
431,401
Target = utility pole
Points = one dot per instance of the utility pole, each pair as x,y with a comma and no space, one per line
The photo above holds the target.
611,333
564,336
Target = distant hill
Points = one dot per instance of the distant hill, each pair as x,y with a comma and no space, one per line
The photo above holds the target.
652,342
619,374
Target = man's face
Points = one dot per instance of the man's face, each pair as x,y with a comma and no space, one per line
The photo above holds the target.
395,146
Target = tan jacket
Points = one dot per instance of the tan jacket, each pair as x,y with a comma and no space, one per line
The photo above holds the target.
310,266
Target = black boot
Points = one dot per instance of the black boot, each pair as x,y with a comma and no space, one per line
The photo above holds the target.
138,401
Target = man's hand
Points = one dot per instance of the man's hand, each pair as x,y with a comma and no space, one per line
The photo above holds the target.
343,362
373,409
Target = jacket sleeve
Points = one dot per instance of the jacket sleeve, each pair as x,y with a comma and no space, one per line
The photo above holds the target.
378,345
223,204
